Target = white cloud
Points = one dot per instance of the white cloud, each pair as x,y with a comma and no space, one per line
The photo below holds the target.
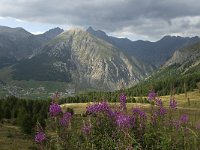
37,32
148,19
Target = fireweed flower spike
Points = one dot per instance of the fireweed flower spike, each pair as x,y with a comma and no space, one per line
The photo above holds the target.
98,107
123,102
152,95
139,112
65,120
39,137
173,104
159,102
161,111
55,109
86,129
176,124
123,121
184,118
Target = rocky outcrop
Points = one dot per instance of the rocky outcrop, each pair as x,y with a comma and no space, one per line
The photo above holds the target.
92,62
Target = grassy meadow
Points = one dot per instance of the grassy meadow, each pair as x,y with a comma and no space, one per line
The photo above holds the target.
192,108
12,137
182,102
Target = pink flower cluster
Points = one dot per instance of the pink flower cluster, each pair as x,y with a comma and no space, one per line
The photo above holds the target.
65,120
55,109
123,102
40,137
98,107
123,121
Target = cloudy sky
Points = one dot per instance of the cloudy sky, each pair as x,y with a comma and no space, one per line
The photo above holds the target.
134,19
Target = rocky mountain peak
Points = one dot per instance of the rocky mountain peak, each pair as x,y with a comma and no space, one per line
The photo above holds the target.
53,32
90,62
98,33
186,55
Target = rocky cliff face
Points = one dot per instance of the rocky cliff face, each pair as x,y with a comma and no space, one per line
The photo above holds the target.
99,64
92,62
186,57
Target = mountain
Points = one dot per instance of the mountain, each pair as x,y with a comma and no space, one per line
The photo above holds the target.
17,43
155,53
77,57
94,60
181,71
186,60
189,56
49,35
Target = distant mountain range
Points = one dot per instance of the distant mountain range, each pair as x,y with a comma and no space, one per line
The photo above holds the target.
180,72
155,53
89,59
17,43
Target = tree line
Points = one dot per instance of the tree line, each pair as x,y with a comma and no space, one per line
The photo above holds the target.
24,113
175,84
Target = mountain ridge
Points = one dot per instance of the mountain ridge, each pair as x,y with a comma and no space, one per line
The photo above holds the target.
148,51
91,61
18,43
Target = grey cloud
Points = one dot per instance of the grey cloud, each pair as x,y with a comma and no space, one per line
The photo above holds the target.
152,18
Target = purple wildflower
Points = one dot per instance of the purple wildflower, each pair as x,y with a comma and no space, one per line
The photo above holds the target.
161,111
154,117
176,124
113,114
173,104
64,121
98,107
54,109
86,129
123,121
123,102
159,102
139,112
39,137
184,118
152,95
